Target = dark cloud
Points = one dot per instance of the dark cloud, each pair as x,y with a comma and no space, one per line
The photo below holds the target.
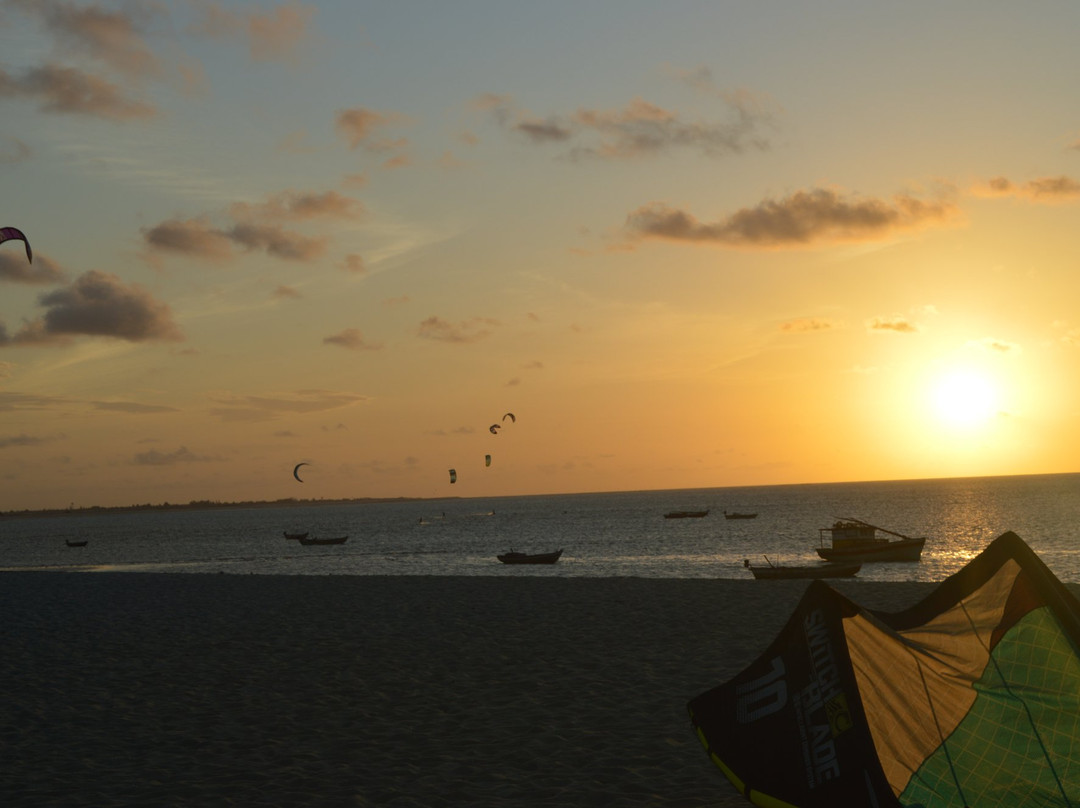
99,304
16,402
474,330
23,440
277,241
189,237
70,90
181,455
353,339
803,219
15,268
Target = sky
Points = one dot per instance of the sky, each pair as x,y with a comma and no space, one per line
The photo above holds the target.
687,244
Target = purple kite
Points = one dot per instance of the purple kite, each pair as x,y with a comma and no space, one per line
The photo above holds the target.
7,233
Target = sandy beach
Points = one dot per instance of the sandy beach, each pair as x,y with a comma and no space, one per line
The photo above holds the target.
148,689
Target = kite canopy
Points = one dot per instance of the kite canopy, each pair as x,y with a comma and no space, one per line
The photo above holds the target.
7,233
969,698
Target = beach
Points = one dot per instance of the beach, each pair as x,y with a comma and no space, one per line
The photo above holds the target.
127,689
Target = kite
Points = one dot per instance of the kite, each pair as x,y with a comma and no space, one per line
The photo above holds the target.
969,698
510,415
494,429
296,470
487,460
8,233
453,476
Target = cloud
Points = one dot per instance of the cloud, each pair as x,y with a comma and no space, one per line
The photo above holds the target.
474,330
6,442
278,35
361,127
99,304
69,90
277,241
354,263
352,339
639,129
113,37
181,455
803,219
16,269
1043,189
265,407
13,150
189,237
995,345
809,324
132,407
897,323
286,292
299,206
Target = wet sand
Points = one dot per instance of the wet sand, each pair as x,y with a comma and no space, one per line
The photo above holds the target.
149,689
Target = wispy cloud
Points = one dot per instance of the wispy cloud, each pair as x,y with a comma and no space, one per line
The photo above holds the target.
181,455
43,272
132,407
279,34
13,150
639,129
235,407
897,323
803,219
69,90
1042,189
804,325
995,345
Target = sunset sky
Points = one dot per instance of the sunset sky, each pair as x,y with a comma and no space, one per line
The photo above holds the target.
688,244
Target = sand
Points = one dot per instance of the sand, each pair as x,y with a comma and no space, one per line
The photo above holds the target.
156,690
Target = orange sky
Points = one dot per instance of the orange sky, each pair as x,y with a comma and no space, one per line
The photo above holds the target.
688,246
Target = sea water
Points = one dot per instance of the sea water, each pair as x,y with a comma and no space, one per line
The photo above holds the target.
614,534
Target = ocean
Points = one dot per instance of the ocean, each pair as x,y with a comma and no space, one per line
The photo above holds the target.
614,534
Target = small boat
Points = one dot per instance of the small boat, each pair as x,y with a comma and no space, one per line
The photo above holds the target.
297,536
686,514
71,543
317,541
735,515
856,540
820,570
524,558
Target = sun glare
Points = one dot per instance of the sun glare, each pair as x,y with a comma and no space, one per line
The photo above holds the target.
964,399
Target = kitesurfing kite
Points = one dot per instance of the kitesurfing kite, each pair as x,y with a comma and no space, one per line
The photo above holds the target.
510,415
494,429
487,460
453,476
296,471
8,233
968,698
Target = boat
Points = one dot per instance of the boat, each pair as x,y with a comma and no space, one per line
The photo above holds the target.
296,536
829,569
514,557
735,515
686,514
856,540
317,541
71,543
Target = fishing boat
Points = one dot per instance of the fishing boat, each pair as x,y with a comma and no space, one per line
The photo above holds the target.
71,543
297,536
735,515
856,540
686,514
317,541
820,570
514,557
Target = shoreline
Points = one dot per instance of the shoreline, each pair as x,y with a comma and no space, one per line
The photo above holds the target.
210,689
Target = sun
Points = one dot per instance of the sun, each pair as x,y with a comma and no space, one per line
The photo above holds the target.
964,399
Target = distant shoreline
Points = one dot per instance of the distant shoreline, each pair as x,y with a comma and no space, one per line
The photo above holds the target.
208,505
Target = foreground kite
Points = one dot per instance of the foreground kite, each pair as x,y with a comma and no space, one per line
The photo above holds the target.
969,698
8,233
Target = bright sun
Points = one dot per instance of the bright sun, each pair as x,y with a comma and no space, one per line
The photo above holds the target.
964,399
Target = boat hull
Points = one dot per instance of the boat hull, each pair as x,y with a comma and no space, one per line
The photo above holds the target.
811,571
321,542
902,550
686,514
525,558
